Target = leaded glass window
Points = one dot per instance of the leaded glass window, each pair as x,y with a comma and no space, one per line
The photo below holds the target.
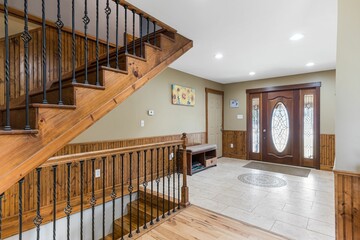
280,127
255,125
309,126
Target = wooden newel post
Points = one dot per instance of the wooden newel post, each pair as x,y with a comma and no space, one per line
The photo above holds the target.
184,189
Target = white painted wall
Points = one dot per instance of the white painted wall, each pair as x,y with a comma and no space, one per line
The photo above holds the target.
348,87
61,233
66,16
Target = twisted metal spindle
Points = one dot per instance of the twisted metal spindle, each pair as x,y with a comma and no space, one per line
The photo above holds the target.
97,45
73,51
54,200
93,200
157,184
21,182
26,37
113,196
163,178
154,33
130,188
44,71
145,187
103,195
133,37
81,199
1,198
141,35
117,35
38,219
169,179
7,126
122,196
125,37
107,12
138,184
174,177
59,25
148,29
86,21
151,186
68,208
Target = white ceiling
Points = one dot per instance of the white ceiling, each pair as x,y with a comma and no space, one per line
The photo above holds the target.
253,35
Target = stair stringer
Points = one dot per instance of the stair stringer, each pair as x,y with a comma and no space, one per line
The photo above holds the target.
22,153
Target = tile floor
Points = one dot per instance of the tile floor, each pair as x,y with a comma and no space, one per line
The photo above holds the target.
303,209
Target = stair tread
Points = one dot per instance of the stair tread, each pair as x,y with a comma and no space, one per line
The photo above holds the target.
18,132
41,105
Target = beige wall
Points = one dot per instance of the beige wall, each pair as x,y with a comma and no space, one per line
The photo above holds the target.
124,121
348,87
327,98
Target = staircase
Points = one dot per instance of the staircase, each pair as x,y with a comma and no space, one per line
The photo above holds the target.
53,125
147,211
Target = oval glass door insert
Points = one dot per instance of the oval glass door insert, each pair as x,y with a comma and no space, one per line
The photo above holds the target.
280,127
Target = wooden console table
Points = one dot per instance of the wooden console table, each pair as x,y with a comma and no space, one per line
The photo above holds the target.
200,157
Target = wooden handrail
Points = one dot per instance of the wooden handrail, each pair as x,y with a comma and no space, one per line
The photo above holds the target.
59,160
146,15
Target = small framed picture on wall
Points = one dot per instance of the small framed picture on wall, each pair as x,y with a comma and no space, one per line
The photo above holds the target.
234,103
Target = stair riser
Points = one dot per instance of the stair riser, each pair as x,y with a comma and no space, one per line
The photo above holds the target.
52,96
148,200
80,78
17,118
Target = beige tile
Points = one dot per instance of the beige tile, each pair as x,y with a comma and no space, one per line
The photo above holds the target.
297,233
321,227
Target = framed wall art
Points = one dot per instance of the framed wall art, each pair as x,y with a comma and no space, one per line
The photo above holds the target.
182,95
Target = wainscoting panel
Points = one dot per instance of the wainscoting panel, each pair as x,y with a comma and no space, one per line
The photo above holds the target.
347,205
327,151
193,138
238,139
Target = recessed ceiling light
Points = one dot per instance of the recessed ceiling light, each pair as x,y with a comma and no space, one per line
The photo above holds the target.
310,64
219,56
297,37
252,73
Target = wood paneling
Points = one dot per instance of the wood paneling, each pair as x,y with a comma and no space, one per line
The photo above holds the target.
11,203
238,139
17,87
347,205
327,151
193,139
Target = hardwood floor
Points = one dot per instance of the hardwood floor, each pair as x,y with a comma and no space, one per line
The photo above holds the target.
197,223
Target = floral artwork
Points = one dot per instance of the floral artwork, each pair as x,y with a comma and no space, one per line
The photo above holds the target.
183,95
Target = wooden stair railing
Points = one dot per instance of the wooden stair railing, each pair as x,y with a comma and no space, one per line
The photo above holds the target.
146,179
40,121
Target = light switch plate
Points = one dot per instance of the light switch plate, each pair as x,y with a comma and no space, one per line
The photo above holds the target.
97,173
240,116
231,145
142,123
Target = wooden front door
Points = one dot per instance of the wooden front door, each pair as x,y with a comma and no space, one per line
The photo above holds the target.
283,125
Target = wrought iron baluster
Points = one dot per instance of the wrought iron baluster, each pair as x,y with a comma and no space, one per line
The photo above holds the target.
103,195
154,33
133,37
113,196
93,199
107,12
157,184
59,25
26,37
141,35
21,182
178,173
7,126
148,29
138,184
152,187
97,44
125,37
1,198
81,199
73,43
86,21
122,196
44,71
54,168
117,34
38,219
145,187
163,177
68,208
130,194
174,178
169,179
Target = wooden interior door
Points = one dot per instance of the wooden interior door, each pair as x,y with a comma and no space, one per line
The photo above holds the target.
214,116
281,127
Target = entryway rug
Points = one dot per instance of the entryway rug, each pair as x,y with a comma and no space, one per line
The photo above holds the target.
295,171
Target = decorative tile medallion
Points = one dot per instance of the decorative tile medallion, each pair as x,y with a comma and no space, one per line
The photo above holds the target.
262,180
